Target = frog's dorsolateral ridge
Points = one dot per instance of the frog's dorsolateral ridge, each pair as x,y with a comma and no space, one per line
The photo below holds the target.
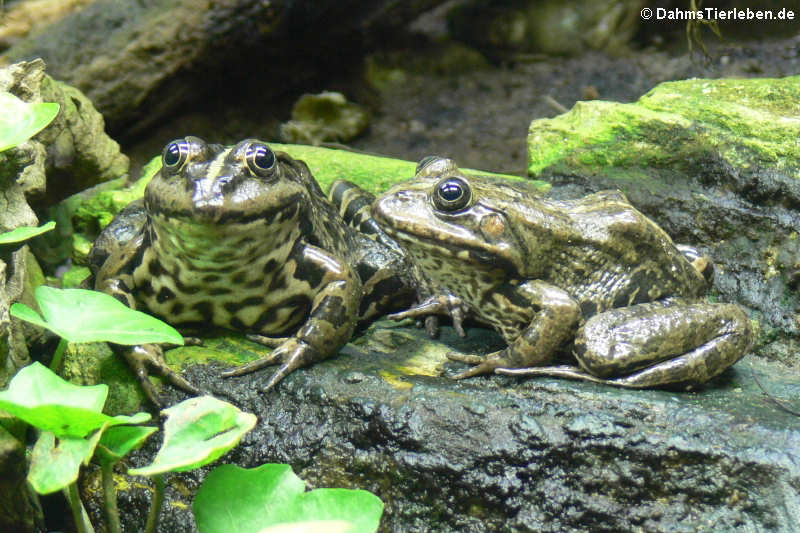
241,237
593,274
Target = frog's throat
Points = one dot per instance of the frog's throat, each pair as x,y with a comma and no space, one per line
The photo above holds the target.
239,242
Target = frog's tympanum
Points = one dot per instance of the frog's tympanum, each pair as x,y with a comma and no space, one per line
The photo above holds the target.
592,275
241,237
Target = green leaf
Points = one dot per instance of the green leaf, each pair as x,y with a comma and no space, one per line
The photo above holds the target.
23,233
19,121
23,312
271,498
73,277
44,400
119,441
79,315
197,431
56,465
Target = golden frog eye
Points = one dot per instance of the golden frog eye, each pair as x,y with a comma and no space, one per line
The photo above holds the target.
260,159
175,155
451,194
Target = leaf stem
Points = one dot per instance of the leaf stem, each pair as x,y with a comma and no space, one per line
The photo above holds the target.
82,524
55,364
110,497
155,505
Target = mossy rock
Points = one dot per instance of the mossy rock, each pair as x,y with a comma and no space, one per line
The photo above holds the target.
675,127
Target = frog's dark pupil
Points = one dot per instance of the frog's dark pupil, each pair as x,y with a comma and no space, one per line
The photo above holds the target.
451,194
451,191
172,155
262,157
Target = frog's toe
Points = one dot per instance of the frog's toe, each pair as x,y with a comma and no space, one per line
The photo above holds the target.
482,365
140,357
284,370
252,366
468,358
296,354
271,342
477,370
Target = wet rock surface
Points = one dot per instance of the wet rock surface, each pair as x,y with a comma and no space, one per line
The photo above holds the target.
508,454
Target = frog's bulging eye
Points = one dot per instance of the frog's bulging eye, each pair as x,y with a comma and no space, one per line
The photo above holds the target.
260,159
175,155
451,194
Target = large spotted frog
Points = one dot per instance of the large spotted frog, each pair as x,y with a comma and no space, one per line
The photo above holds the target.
593,274
241,237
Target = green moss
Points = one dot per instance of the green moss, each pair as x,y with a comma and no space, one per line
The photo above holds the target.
374,173
675,126
92,363
229,348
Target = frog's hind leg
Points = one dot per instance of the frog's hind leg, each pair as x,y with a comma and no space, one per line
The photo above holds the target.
660,343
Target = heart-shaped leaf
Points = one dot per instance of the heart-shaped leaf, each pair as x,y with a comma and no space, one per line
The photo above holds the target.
44,400
54,465
271,498
119,441
79,315
197,431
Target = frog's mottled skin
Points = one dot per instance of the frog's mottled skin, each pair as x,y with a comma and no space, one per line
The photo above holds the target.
243,238
544,273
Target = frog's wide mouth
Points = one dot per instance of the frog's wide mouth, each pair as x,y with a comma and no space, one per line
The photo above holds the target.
221,213
460,250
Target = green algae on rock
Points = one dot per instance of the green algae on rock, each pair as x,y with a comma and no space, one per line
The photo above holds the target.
746,122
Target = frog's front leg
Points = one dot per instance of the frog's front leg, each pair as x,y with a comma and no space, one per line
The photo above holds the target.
657,344
439,304
555,316
114,278
331,321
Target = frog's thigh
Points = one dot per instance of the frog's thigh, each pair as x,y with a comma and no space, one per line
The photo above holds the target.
657,343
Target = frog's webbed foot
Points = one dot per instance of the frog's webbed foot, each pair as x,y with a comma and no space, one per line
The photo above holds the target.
142,356
294,353
437,305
